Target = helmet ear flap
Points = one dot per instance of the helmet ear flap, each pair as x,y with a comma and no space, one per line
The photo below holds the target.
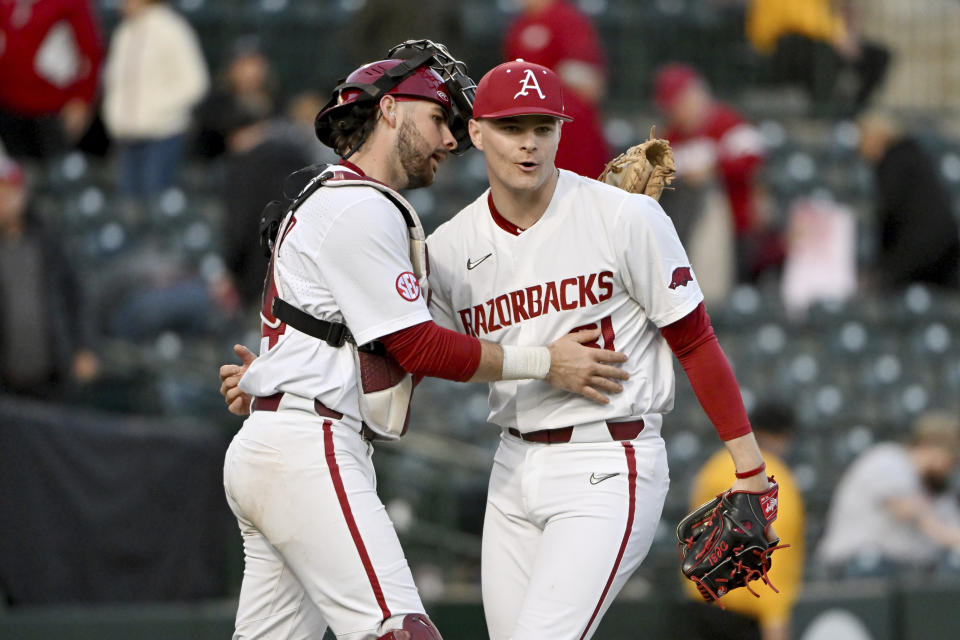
321,126
322,123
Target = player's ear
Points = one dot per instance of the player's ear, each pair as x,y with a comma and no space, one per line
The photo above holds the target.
475,134
388,110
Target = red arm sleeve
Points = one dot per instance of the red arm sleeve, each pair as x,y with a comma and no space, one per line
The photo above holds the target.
427,349
693,341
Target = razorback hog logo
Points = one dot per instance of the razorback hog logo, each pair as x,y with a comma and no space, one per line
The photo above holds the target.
681,276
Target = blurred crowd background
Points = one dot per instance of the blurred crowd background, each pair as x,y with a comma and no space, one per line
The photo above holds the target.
818,194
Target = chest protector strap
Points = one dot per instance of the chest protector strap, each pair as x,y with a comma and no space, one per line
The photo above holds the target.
336,334
384,388
418,243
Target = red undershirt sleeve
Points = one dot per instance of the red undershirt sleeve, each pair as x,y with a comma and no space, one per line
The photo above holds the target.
427,349
693,341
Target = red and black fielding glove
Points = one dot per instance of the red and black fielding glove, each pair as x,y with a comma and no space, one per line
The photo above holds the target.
723,543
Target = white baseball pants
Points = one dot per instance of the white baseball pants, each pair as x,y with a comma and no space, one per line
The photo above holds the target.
319,547
565,527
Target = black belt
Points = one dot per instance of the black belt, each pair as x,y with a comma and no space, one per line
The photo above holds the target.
627,430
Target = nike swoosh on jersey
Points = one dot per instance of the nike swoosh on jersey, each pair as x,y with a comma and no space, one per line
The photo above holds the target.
472,264
597,478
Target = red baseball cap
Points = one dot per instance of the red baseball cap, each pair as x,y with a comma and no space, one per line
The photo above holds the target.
10,171
672,80
519,88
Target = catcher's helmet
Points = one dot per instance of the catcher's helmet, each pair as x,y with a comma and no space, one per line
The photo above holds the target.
414,69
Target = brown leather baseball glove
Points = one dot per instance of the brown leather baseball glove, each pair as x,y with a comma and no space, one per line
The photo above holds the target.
646,168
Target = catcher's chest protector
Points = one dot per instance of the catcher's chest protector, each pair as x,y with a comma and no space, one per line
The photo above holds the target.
418,244
383,387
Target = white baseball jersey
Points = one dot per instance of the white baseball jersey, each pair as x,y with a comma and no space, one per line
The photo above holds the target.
598,257
319,547
344,256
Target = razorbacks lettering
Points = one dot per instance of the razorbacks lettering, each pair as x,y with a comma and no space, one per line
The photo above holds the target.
522,304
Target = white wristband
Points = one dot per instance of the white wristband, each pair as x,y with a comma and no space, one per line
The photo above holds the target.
520,363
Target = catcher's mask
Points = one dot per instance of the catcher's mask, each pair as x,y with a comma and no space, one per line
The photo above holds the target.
419,69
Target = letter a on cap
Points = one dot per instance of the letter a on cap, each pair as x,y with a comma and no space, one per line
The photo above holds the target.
529,82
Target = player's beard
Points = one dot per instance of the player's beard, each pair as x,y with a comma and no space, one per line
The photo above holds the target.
415,154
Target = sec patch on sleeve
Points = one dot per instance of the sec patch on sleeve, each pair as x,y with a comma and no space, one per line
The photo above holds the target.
407,286
681,276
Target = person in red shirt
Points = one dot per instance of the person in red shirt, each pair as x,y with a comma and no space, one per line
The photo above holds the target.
50,57
711,141
555,34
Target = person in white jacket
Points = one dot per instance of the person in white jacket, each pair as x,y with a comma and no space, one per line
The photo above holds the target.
155,74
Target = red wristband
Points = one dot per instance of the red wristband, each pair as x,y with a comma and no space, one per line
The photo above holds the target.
743,475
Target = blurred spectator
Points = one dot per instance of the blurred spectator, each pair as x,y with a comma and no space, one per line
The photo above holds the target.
257,167
922,37
918,238
766,617
821,262
154,290
715,147
247,79
883,517
301,112
816,44
555,34
154,76
50,56
44,337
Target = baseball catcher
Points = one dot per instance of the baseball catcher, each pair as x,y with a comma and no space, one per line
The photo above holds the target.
724,545
646,168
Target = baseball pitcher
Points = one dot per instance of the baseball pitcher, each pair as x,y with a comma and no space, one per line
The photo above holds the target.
577,488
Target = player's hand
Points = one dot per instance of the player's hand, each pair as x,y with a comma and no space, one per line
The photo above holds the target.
237,401
585,370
